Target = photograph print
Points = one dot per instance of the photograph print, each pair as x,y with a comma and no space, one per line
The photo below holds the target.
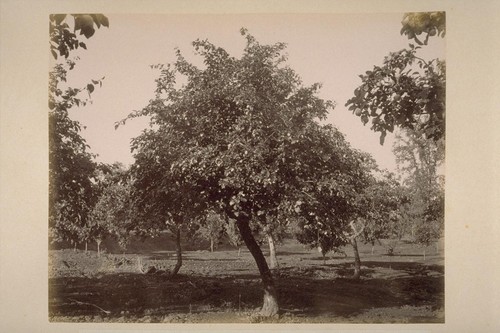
244,168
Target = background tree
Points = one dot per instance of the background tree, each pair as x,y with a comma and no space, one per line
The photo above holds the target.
71,167
112,214
329,206
162,200
378,205
406,91
427,23
233,234
271,232
418,160
242,136
320,235
211,228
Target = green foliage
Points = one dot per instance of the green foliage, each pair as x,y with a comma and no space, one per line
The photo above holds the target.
72,170
63,39
418,160
71,166
212,228
327,214
406,92
428,23
233,233
241,137
379,206
112,214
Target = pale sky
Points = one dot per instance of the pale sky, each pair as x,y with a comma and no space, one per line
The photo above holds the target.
332,49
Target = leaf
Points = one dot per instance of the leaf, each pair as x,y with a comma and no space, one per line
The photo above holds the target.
90,88
54,54
104,21
100,19
78,23
87,31
58,18
82,45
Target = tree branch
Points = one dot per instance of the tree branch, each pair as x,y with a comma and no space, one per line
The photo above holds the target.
85,303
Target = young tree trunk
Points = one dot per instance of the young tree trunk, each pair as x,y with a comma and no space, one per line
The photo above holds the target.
357,259
424,253
178,251
437,246
86,246
98,247
239,251
211,244
270,306
272,253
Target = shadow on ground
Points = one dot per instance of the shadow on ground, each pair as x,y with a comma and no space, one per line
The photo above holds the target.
319,290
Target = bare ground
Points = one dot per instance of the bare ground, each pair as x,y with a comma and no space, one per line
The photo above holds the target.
224,287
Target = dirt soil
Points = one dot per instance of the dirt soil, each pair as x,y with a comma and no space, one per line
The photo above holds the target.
223,287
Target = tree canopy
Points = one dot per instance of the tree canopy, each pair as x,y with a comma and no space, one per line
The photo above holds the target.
63,40
72,170
406,91
242,137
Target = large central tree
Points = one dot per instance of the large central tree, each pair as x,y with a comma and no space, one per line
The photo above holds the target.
239,136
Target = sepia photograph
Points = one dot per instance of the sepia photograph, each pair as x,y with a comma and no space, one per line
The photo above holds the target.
247,168
223,166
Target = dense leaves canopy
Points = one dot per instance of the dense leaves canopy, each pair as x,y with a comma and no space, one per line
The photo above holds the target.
112,215
241,136
71,167
426,23
419,160
406,91
63,40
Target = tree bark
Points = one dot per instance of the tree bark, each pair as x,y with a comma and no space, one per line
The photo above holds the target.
178,251
273,261
270,306
357,259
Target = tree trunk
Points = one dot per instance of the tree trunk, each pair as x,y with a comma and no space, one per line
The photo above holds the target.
211,244
98,247
270,306
357,259
239,251
74,248
272,253
424,253
178,251
86,246
437,247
